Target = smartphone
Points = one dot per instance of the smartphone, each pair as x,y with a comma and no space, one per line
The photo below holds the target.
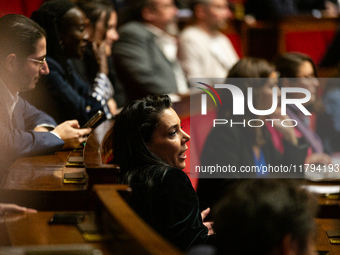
67,218
93,120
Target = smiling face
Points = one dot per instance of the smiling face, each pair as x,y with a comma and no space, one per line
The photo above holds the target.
28,72
111,32
168,141
75,36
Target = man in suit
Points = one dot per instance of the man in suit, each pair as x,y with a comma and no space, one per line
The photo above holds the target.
24,130
146,55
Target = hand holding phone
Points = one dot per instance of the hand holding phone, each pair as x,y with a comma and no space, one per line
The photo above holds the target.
93,120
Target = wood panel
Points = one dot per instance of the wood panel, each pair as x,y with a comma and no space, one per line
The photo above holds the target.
322,241
127,227
37,182
98,153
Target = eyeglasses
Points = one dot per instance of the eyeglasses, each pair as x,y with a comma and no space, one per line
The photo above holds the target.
40,61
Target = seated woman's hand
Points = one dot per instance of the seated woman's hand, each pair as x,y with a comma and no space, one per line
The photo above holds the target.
99,51
208,224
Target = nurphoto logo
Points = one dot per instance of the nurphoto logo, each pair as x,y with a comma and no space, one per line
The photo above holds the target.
238,99
238,104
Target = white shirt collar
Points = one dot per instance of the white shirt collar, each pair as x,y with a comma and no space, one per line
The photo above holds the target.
9,99
155,30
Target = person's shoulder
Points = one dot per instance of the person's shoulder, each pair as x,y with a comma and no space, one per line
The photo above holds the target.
189,30
175,175
176,181
53,64
163,171
192,33
133,28
174,171
222,36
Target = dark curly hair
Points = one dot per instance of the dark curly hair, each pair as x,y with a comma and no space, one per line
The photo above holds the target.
133,129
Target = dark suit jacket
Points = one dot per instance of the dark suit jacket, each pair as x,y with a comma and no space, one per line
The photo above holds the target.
230,145
141,66
18,138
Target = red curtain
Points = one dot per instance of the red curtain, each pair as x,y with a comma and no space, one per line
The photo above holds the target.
24,7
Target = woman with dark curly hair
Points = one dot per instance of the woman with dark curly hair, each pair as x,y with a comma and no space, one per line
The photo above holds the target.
150,146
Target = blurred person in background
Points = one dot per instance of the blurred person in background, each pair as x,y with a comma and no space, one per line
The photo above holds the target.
63,93
267,217
24,130
204,51
298,70
102,34
146,54
244,145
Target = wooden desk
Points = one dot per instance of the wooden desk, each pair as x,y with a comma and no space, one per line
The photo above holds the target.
98,153
329,206
322,242
129,233
33,229
37,182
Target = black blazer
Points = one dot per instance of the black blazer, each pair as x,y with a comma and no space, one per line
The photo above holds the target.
170,206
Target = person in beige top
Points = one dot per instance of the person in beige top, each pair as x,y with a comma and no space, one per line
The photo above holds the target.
204,51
